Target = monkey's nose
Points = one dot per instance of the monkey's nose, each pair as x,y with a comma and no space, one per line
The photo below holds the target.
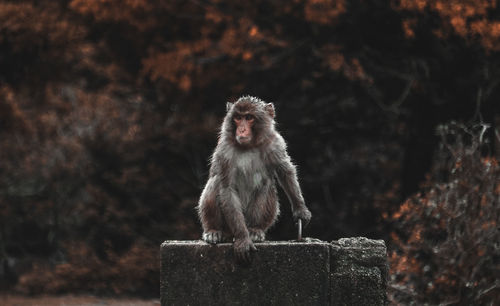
243,132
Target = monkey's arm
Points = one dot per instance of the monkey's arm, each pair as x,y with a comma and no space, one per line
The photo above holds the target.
287,178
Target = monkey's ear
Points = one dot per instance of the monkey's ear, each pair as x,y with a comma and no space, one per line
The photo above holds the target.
270,109
228,106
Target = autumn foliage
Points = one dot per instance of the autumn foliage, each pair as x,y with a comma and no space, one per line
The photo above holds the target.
109,112
446,242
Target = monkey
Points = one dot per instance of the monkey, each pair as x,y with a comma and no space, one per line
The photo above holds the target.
239,201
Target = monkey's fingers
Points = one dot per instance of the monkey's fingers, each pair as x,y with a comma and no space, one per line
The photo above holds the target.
244,253
243,256
247,256
304,215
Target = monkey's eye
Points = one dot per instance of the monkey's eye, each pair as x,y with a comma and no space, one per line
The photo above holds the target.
237,117
249,117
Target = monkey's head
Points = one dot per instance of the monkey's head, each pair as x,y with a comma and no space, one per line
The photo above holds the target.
249,121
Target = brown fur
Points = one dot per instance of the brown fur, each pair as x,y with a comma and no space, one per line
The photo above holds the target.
240,200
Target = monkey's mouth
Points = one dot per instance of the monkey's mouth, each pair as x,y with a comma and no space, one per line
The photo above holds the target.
243,140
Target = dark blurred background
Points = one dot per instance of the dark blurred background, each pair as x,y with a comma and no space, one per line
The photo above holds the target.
109,112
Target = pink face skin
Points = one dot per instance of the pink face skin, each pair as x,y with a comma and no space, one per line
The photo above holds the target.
244,124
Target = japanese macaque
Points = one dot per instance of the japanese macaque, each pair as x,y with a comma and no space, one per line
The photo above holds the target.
240,200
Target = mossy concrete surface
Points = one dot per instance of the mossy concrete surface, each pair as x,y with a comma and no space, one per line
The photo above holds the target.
350,271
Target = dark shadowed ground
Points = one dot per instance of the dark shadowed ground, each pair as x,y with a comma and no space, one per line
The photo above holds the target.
70,300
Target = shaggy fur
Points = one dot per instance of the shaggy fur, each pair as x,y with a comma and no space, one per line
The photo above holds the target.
240,200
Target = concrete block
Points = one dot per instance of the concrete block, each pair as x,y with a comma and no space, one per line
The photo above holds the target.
281,273
358,272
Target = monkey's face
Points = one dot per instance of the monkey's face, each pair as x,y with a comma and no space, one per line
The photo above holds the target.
244,127
248,122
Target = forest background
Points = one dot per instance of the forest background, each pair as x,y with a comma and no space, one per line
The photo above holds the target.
110,109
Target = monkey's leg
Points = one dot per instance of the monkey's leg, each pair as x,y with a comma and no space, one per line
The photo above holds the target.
210,214
231,209
262,213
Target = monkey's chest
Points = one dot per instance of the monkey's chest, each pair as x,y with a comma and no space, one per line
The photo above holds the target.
249,173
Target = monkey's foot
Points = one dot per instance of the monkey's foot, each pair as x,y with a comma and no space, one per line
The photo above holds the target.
257,235
212,236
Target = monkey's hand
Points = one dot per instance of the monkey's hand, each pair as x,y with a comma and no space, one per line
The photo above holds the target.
243,248
302,213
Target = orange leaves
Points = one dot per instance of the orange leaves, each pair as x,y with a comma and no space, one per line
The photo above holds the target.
254,31
184,63
403,209
409,26
467,18
466,8
135,12
12,117
24,25
213,15
418,5
353,70
335,60
489,33
245,36
324,11
403,264
178,65
416,235
463,15
459,25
